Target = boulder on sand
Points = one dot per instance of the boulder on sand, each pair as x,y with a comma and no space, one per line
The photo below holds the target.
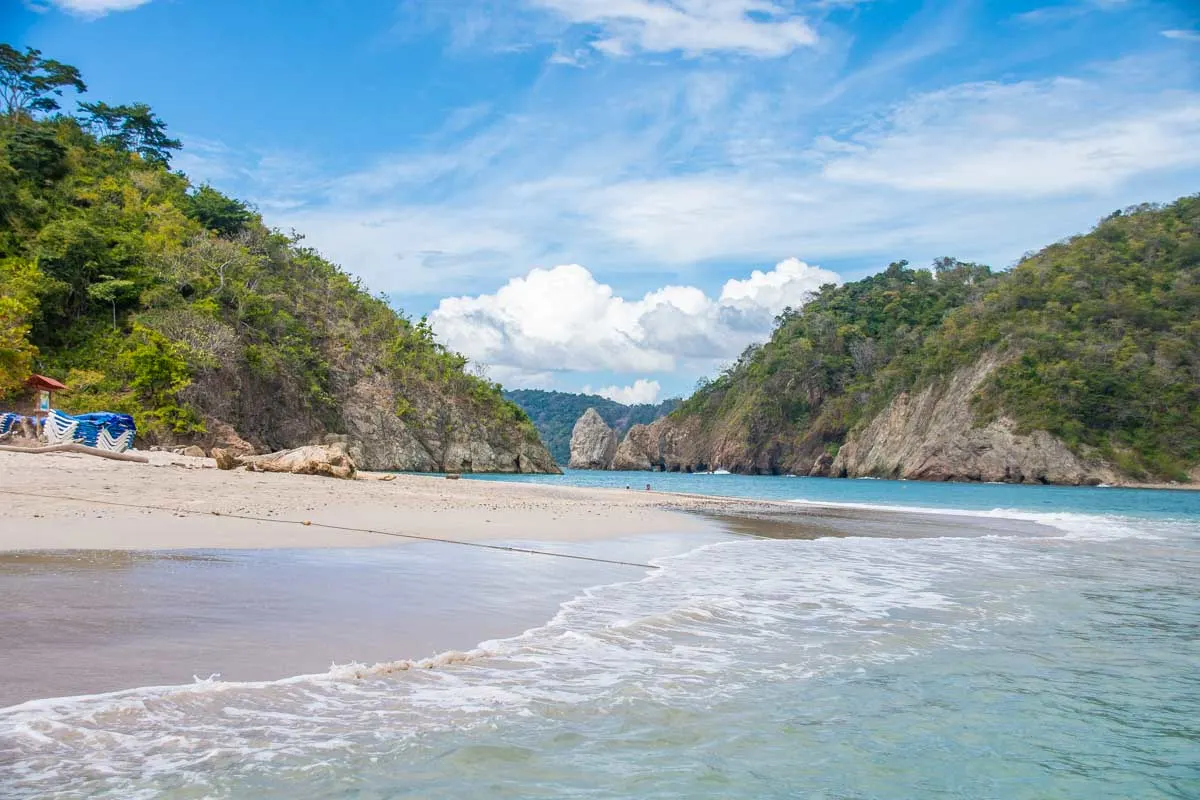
330,460
226,459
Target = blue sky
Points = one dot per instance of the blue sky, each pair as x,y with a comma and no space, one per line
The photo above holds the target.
621,194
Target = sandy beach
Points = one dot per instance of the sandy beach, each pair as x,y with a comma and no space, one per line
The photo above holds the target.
126,574
70,501
36,515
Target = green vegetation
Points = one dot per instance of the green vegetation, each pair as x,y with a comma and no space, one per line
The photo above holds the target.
1098,340
174,302
816,375
555,414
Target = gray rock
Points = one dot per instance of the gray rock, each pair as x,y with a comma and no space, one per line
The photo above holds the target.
593,443
639,450
932,436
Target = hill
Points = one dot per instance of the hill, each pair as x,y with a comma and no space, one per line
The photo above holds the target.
1079,365
150,295
555,414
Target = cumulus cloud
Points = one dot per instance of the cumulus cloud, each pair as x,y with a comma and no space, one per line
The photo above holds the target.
564,320
97,8
693,27
640,391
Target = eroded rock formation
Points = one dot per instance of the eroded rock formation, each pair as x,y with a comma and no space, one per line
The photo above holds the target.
593,443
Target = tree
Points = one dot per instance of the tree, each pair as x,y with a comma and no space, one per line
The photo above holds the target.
35,153
134,128
29,83
111,290
19,279
217,212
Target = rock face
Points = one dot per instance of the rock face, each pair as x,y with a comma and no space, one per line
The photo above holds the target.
593,443
929,435
442,437
639,450
439,431
932,436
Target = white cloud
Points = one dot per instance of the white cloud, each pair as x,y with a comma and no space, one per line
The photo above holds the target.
641,391
1068,11
1032,138
693,27
563,319
692,166
1182,35
97,8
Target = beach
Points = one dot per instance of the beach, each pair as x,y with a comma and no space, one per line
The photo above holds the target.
124,574
76,502
199,639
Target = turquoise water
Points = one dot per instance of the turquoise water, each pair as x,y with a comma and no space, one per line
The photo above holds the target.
986,667
869,491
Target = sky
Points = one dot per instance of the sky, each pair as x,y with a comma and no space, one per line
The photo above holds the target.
619,196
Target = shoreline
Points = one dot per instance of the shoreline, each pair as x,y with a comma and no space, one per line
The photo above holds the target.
75,502
159,586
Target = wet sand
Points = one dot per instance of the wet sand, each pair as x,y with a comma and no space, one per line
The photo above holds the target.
101,597
87,622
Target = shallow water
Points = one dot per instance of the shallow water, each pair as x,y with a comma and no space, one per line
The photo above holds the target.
1000,666
872,492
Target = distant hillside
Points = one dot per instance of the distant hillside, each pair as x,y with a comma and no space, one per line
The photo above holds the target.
554,414
1080,365
150,295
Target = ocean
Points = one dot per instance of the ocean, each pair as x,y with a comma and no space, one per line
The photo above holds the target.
1001,666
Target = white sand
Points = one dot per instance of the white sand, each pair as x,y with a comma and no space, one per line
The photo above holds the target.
35,514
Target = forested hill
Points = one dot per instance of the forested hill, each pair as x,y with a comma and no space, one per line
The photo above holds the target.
1081,364
555,415
150,295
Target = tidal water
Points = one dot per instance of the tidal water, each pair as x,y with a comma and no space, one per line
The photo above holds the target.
997,666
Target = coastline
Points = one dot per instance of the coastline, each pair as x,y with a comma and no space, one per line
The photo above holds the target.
125,574
74,502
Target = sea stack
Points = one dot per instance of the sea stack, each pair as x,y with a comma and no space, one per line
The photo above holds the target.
593,443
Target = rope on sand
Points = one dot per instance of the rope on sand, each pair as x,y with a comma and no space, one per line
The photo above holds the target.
343,528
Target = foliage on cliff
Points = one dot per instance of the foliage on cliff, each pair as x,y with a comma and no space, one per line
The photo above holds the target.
555,414
153,296
1099,340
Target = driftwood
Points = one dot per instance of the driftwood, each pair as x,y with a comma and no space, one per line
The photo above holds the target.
330,460
77,448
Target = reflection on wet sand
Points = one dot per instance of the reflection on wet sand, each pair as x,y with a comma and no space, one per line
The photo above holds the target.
815,522
80,622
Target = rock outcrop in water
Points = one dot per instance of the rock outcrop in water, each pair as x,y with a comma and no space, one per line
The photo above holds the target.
593,443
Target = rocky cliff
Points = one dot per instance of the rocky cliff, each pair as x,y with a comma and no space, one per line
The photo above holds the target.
554,414
593,443
932,435
1081,365
409,420
176,304
929,435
